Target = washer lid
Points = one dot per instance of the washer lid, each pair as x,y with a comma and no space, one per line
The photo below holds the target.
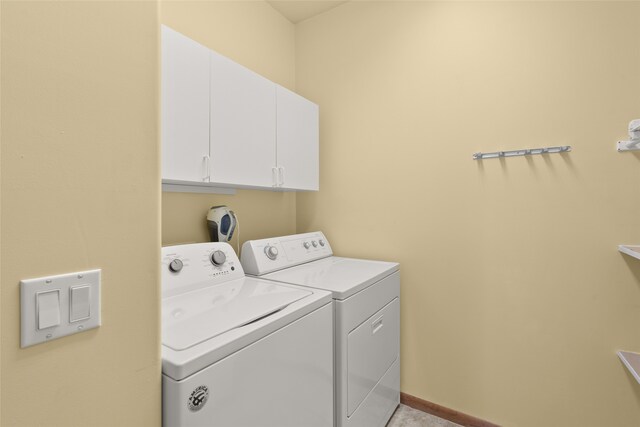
342,276
192,318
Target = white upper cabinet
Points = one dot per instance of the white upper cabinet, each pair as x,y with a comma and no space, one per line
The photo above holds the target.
243,125
297,141
185,108
225,126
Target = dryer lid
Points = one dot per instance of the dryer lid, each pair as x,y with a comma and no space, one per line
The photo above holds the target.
192,318
342,276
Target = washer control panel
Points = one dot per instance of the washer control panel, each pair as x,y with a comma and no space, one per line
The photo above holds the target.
189,267
268,255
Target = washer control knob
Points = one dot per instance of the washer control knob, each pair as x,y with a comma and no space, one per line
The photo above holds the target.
175,265
218,257
315,244
306,245
321,242
271,252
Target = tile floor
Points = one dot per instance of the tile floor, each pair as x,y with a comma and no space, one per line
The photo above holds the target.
409,417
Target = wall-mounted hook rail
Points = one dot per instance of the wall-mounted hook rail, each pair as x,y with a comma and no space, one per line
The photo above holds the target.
525,152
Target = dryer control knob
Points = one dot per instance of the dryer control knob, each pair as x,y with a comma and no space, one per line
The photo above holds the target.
321,242
218,257
315,244
306,245
175,265
271,252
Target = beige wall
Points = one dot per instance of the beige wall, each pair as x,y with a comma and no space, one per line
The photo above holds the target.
80,190
253,34
514,297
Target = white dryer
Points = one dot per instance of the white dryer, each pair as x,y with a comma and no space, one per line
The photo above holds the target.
240,351
367,318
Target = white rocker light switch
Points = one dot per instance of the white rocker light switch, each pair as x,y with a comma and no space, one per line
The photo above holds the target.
48,307
80,303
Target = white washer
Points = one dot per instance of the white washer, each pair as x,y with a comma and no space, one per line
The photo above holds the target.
367,318
240,351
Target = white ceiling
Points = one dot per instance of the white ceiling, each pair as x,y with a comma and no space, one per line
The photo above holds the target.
299,10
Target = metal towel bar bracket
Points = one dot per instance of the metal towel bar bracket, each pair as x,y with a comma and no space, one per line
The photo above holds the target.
632,145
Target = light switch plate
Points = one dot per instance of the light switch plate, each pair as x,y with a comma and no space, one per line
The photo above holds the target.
29,289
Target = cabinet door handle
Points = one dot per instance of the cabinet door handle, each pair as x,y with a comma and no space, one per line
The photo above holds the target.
274,176
281,170
207,173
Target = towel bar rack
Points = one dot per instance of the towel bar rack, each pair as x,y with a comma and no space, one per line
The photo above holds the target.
524,152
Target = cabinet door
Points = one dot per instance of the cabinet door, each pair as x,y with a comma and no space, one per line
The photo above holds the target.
297,141
243,125
185,108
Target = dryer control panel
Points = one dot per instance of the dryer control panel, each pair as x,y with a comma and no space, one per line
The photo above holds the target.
189,267
268,255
